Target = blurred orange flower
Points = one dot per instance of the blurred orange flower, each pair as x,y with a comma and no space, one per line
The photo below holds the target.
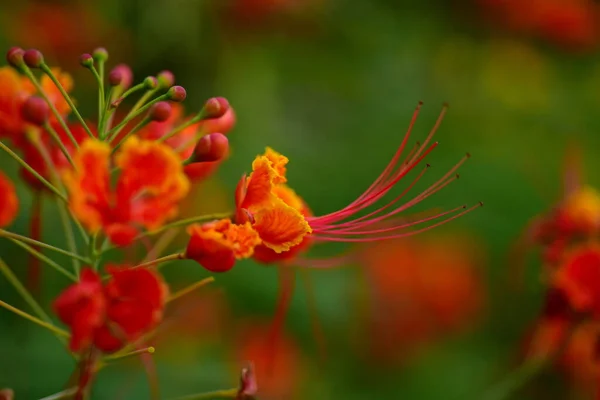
417,291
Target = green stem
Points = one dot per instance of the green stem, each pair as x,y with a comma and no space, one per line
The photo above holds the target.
10,276
112,134
170,257
142,100
181,127
44,259
217,394
33,172
35,320
190,288
135,129
59,142
68,229
516,379
46,69
10,235
186,221
65,394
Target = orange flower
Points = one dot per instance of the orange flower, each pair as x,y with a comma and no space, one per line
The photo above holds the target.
286,225
15,91
9,203
419,291
149,187
217,245
579,278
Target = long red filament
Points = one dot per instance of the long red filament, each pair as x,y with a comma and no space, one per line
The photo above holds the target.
34,270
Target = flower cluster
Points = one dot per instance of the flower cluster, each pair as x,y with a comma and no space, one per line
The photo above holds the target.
119,181
568,237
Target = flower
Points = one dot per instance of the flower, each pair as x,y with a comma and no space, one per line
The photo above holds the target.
217,245
579,278
572,25
418,291
130,304
285,223
150,185
82,306
9,203
276,367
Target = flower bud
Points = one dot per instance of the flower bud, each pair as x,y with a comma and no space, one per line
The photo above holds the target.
160,111
177,93
100,54
14,56
33,58
151,82
215,107
35,110
121,75
166,79
7,394
211,147
86,60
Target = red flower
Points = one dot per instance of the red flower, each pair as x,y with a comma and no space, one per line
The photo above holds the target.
9,203
130,304
82,306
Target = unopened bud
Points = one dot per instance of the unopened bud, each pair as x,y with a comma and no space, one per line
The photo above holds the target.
151,82
100,54
177,93
211,147
166,79
121,75
33,58
14,56
35,110
215,107
86,60
160,111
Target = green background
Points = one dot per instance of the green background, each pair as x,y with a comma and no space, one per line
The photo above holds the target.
333,86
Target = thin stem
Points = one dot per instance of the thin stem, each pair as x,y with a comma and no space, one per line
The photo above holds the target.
186,221
117,356
61,145
161,244
190,288
170,257
135,129
100,89
68,229
142,100
65,394
106,112
10,276
35,320
46,69
217,394
45,259
112,134
10,235
181,127
33,172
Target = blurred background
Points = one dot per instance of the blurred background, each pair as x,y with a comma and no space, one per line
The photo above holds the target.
333,84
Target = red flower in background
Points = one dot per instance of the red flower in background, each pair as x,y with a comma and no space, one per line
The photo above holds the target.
9,203
276,365
571,24
108,317
418,291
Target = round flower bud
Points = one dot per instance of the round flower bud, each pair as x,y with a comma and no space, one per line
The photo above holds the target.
121,75
211,147
86,60
14,56
177,93
33,58
166,79
35,110
100,54
215,107
151,82
160,111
